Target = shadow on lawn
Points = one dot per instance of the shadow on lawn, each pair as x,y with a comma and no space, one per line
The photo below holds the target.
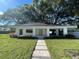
73,53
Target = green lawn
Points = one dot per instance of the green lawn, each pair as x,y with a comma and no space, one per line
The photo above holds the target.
57,48
11,48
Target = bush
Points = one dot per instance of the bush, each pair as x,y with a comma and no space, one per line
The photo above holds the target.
48,37
27,37
13,35
54,37
69,36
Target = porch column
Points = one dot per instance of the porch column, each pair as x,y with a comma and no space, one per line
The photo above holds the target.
65,31
17,31
48,32
57,32
24,31
33,31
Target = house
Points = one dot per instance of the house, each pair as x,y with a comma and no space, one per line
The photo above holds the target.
4,29
41,30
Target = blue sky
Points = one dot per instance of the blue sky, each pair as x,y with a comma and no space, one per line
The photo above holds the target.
8,4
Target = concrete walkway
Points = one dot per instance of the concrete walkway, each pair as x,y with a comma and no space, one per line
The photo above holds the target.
41,51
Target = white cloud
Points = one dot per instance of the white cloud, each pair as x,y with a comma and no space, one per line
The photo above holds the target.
1,13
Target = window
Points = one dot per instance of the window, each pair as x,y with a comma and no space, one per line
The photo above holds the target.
52,32
29,30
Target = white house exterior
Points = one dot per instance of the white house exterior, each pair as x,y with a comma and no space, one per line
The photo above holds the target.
41,30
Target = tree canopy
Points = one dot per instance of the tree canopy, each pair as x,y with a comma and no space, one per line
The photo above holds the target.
57,12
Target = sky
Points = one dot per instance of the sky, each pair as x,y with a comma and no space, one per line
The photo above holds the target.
9,4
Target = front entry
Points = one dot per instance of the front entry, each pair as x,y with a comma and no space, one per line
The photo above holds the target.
40,33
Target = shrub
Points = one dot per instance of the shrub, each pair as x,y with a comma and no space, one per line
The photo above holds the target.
27,37
70,36
48,37
13,35
54,37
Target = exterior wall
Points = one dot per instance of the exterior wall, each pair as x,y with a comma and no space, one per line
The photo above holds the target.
24,32
35,32
65,30
17,31
45,32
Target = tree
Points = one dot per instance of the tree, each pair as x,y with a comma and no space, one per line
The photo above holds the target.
15,15
42,10
71,9
53,11
57,12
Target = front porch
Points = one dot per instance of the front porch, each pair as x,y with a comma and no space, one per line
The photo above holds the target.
42,32
50,32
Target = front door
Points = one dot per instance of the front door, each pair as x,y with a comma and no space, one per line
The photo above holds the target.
39,32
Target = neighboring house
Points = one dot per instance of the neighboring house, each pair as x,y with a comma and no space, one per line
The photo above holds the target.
4,29
41,30
75,32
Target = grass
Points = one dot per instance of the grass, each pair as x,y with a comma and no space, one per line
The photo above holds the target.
12,48
57,48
